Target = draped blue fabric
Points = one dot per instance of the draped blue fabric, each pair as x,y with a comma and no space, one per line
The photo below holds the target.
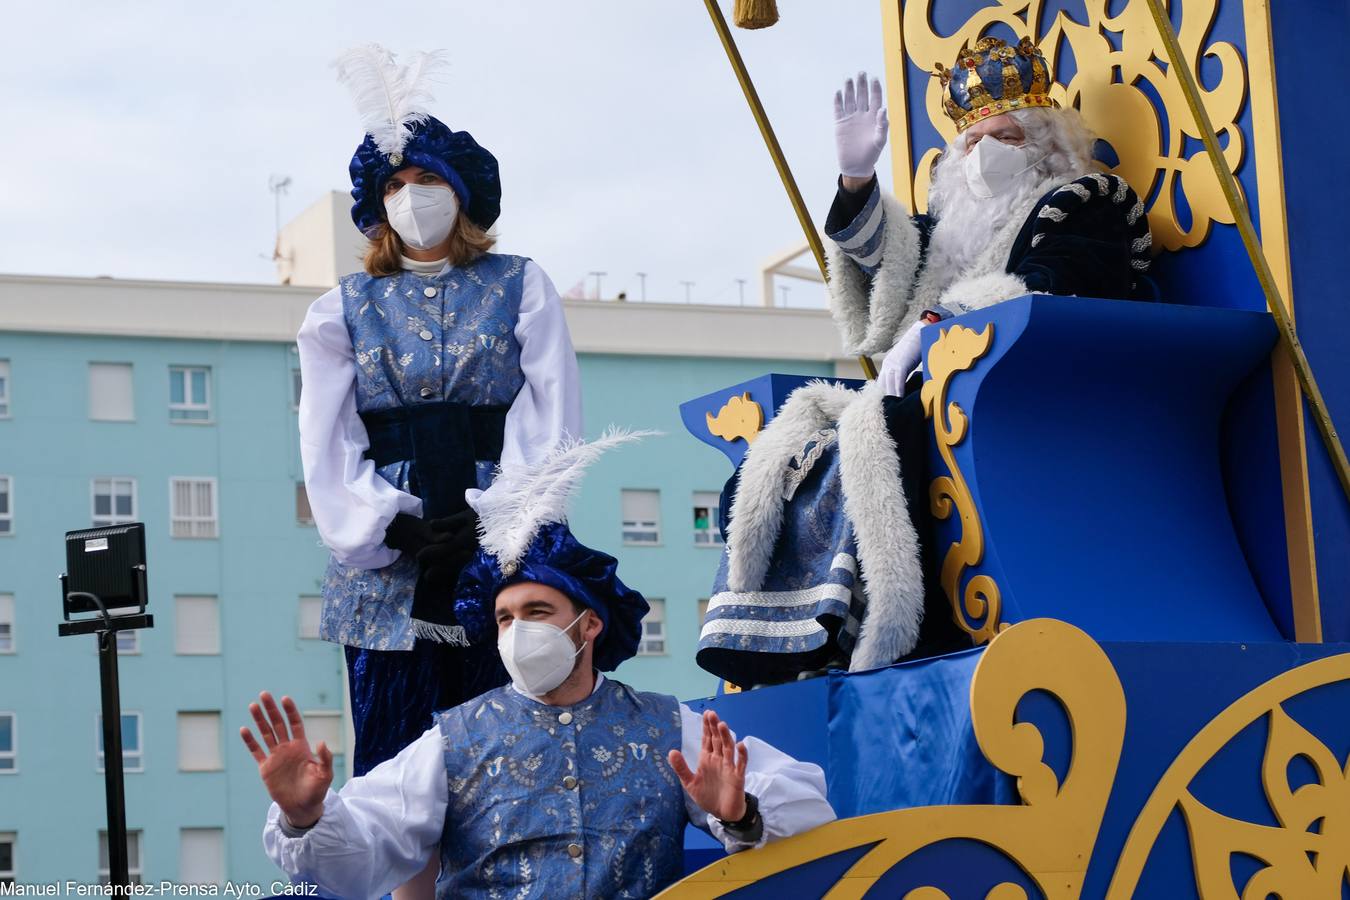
901,737
561,801
457,345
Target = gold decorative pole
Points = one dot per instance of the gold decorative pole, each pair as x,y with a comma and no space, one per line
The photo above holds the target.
775,151
1245,228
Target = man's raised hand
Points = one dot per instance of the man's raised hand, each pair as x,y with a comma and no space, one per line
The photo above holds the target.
718,786
860,126
297,779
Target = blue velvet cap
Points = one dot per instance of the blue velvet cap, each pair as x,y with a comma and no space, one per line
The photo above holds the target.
453,155
559,560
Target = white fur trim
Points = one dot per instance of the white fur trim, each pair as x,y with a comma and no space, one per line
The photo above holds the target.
757,508
983,290
888,547
868,320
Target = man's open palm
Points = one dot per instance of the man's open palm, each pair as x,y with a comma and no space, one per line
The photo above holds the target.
718,785
297,779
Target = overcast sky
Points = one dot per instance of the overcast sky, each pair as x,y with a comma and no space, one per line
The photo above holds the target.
140,136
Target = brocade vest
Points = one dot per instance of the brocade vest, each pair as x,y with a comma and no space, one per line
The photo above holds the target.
440,344
561,801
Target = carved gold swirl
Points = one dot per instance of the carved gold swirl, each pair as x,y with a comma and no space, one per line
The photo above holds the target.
1108,89
1050,836
1308,853
956,351
739,417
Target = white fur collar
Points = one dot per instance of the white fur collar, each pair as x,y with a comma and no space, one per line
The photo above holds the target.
869,316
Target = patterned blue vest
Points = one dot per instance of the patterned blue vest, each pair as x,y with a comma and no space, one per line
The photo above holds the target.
420,339
562,801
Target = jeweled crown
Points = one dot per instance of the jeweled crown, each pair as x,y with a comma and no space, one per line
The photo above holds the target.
992,78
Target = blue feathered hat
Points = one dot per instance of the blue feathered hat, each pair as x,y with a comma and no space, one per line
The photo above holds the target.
524,537
391,100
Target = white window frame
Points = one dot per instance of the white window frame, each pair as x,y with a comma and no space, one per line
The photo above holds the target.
7,517
9,616
188,405
129,642
209,523
135,864
713,532
131,372
217,832
113,481
301,491
297,387
646,638
313,600
218,763
12,754
335,715
177,618
140,740
10,875
6,395
640,526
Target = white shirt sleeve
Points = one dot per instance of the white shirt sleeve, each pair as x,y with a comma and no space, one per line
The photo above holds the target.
380,830
351,504
548,407
791,793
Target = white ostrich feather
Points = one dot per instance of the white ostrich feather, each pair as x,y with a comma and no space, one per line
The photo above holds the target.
527,497
389,98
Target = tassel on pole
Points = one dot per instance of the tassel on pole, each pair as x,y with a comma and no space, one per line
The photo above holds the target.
755,13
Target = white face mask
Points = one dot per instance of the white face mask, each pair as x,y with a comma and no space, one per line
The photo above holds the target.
422,214
992,167
538,656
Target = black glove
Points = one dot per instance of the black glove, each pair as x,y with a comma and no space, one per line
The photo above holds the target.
455,543
409,534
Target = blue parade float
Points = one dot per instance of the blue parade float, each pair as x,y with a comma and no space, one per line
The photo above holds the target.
1138,525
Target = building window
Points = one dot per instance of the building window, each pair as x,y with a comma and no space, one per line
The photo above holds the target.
7,841
641,517
201,856
303,514
706,531
110,395
196,624
114,501
192,507
128,642
653,641
311,611
132,758
9,743
199,742
325,725
6,505
189,394
7,623
4,389
296,386
133,856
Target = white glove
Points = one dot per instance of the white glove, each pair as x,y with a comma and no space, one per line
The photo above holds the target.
860,127
901,360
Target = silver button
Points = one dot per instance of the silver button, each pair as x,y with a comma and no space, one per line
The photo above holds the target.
426,392
565,718
574,851
429,291
425,335
570,783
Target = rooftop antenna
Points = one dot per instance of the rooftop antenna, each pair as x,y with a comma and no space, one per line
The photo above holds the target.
598,276
642,277
278,185
687,286
740,285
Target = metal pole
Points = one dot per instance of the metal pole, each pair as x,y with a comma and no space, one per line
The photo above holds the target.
775,151
119,872
642,278
1241,216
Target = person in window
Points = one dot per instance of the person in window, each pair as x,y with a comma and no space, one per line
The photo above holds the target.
565,783
421,374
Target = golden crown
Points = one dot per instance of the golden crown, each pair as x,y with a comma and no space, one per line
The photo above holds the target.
992,78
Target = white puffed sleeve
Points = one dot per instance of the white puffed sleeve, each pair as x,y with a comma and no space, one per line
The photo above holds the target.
380,830
791,793
548,407
351,504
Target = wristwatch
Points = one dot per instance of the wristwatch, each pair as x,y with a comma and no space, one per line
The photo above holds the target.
747,821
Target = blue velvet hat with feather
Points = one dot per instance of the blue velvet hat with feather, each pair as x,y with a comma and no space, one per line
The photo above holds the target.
524,537
392,102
